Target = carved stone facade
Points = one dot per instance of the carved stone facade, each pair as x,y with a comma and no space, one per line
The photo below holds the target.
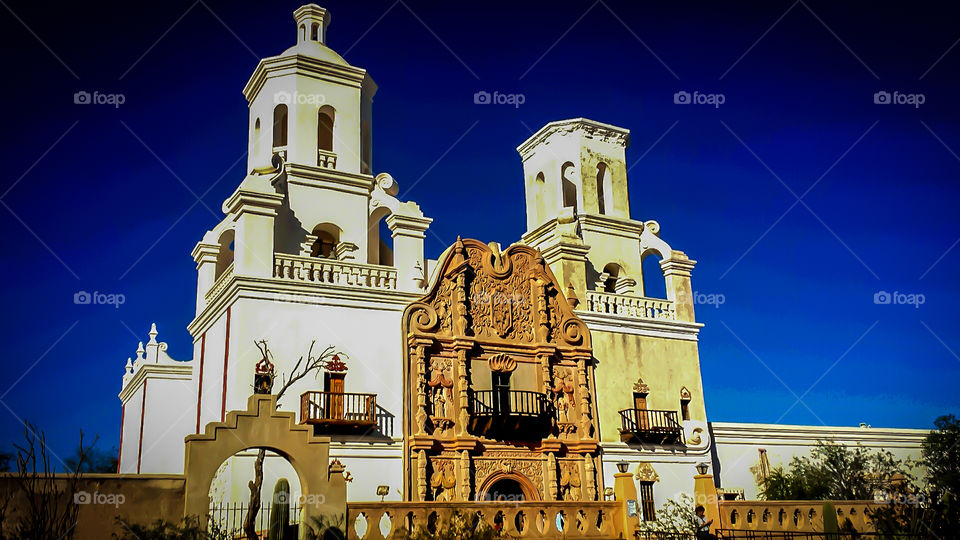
493,342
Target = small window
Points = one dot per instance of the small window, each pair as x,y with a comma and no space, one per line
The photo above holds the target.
256,137
540,178
685,409
646,501
569,188
315,32
325,128
601,199
280,125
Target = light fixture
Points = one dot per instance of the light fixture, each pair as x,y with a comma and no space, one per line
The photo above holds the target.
622,466
383,491
608,493
702,467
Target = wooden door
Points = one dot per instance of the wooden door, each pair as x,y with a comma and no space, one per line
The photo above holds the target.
640,406
335,396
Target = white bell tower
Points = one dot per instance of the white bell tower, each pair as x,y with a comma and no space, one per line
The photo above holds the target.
309,105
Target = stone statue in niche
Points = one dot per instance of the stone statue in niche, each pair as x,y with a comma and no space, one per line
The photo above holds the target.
440,384
562,389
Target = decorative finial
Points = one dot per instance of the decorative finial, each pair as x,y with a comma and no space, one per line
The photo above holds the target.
129,368
263,375
153,332
140,352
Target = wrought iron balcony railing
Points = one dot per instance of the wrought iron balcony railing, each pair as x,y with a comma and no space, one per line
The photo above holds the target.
517,412
652,426
330,409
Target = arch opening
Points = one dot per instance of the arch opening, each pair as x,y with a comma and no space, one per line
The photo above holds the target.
604,189
280,125
225,253
325,119
568,186
327,237
654,282
508,487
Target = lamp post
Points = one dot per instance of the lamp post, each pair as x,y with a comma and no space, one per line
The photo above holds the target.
625,492
705,494
383,491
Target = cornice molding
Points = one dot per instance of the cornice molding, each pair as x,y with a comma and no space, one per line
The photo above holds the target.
300,64
287,291
730,433
155,371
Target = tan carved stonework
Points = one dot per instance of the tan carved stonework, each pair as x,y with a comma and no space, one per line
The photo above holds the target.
646,473
490,311
570,481
641,387
502,363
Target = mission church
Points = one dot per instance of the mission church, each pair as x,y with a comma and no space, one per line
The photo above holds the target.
535,371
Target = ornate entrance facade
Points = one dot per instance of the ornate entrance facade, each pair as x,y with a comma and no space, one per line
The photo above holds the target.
498,384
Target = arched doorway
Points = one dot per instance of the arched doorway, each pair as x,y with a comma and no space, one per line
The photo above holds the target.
508,487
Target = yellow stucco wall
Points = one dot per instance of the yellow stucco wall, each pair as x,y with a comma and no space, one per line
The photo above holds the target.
666,365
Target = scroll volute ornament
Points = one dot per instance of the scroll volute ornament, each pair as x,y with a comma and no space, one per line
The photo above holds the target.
448,306
502,363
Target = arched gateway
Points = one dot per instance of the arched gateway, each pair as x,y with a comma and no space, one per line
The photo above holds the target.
498,379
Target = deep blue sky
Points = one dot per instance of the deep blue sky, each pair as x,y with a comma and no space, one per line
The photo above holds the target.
100,211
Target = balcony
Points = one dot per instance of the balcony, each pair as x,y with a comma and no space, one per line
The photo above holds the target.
633,307
325,159
336,411
649,426
334,272
510,412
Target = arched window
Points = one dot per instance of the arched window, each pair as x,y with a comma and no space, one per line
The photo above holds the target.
280,125
654,284
225,253
303,32
256,137
325,128
612,272
569,188
540,178
327,237
315,32
602,173
684,403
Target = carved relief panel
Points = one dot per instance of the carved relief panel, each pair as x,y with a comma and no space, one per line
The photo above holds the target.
496,316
